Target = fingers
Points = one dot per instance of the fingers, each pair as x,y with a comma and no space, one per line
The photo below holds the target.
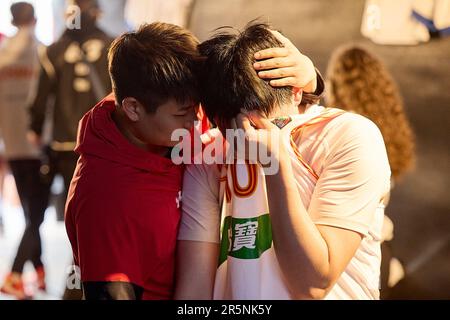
277,52
278,73
259,120
284,82
233,124
243,122
251,120
274,63
210,136
272,53
287,43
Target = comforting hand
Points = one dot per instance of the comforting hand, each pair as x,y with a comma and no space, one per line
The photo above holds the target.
287,66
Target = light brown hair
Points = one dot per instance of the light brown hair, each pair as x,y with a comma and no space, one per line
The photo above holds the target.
359,82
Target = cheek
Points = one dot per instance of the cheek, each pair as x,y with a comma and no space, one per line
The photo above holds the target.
167,128
179,126
152,132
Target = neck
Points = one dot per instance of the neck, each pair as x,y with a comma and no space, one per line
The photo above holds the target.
127,131
287,110
25,27
301,109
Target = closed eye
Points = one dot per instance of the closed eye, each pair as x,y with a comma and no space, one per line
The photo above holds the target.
184,111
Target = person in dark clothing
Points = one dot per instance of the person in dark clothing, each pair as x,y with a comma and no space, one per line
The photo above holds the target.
2,36
19,73
74,76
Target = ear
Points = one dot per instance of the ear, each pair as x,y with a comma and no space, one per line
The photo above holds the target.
298,94
132,108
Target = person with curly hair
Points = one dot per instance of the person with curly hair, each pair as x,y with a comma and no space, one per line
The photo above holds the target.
359,82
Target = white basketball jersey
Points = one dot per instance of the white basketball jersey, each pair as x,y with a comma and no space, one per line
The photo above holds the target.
248,267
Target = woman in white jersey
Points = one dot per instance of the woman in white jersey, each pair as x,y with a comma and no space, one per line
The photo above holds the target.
310,231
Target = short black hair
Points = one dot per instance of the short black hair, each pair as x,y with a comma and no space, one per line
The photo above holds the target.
22,13
153,64
228,79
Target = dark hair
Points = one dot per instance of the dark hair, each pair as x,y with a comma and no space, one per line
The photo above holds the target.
228,80
359,82
85,4
154,64
22,13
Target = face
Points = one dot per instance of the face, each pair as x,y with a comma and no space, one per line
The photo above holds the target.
157,128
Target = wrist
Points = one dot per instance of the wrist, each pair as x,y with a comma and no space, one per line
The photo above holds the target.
311,87
314,97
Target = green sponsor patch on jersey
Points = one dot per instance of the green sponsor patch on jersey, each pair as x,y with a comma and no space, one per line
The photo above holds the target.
245,238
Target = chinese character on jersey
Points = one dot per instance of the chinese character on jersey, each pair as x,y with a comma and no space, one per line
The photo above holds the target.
245,235
178,199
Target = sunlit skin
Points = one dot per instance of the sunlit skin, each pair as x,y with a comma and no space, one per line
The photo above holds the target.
152,131
286,66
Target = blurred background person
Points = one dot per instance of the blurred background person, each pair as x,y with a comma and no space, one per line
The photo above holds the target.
170,11
19,73
119,16
405,22
73,79
2,176
2,167
112,19
359,82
